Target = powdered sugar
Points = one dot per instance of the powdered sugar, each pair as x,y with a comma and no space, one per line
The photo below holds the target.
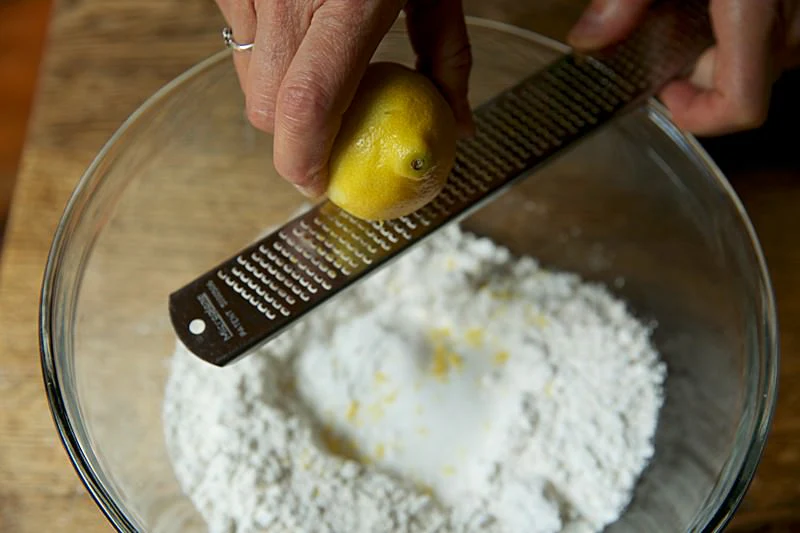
458,389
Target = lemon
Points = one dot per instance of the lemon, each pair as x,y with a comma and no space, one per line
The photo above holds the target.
395,147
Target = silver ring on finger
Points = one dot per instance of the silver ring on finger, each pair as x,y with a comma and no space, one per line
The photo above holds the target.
227,37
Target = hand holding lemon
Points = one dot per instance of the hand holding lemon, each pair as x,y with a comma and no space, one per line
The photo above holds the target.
307,58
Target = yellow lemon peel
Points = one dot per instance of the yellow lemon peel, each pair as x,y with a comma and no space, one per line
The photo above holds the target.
395,147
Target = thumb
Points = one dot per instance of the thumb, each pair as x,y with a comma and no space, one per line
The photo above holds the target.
438,33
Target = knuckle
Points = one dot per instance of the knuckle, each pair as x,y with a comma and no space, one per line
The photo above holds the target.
260,113
303,104
462,58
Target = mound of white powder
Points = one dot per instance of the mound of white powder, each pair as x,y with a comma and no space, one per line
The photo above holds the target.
457,390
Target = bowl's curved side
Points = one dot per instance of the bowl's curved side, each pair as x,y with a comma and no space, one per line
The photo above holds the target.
53,341
761,394
64,269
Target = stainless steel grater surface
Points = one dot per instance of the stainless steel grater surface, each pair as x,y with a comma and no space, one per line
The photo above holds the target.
252,297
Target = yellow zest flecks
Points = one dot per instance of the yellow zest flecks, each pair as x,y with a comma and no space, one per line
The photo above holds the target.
503,295
450,266
422,431
390,398
474,337
426,489
314,492
439,367
380,378
380,451
305,460
500,358
418,410
445,360
548,389
455,360
440,334
537,319
352,411
448,470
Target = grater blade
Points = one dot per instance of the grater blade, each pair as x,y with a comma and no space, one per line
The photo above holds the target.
252,297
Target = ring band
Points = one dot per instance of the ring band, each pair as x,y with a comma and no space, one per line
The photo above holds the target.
227,37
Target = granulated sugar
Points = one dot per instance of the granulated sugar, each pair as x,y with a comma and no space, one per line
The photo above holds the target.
460,389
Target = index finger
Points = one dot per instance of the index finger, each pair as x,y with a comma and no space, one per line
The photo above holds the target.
320,83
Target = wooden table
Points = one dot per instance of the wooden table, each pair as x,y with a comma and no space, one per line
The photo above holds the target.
103,60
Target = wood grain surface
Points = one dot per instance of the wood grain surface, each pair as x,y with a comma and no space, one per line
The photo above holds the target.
104,58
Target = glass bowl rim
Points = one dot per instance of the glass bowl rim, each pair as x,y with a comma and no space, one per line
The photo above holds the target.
739,468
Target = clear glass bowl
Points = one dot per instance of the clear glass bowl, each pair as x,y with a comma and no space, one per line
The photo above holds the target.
187,181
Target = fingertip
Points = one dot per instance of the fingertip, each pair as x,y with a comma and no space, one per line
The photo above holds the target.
686,110
589,32
305,124
605,22
677,97
312,184
314,189
466,130
465,121
304,173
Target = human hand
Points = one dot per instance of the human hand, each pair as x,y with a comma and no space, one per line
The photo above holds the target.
309,56
729,89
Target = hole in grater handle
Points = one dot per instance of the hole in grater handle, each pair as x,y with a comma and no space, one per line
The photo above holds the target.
252,297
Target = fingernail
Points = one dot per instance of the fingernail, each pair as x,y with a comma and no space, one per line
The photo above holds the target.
311,189
588,31
703,74
466,124
308,192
